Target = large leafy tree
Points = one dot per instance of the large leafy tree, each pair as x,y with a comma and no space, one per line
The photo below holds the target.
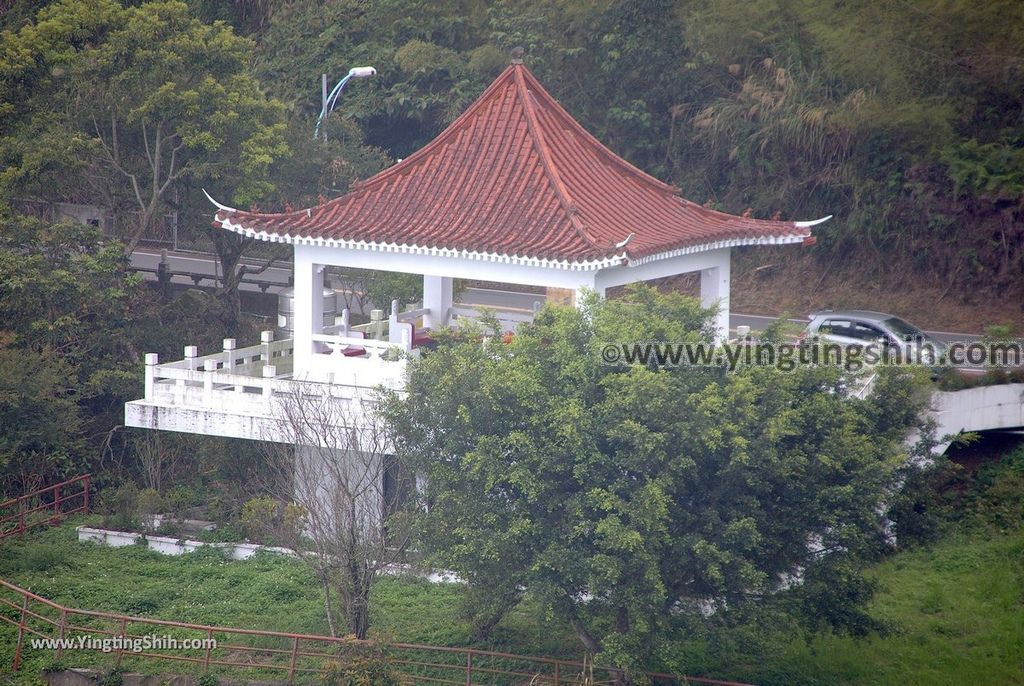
432,59
629,501
39,416
74,325
136,109
145,98
69,319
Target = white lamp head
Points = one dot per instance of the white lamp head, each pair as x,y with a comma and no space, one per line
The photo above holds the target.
362,72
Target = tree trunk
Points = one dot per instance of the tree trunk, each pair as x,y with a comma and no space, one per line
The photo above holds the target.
359,620
328,606
591,644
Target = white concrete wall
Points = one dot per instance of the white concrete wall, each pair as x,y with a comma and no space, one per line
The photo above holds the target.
166,545
979,409
348,485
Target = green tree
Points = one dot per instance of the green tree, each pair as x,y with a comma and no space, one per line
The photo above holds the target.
81,321
630,501
39,416
148,96
432,60
69,307
136,109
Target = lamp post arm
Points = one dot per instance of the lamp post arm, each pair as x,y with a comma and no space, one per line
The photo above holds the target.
332,99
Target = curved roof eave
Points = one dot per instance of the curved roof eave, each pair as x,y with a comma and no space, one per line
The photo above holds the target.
622,258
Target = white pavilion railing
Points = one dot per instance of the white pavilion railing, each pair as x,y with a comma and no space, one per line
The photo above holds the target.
248,370
246,379
509,318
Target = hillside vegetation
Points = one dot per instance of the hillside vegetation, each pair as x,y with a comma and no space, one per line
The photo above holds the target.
904,120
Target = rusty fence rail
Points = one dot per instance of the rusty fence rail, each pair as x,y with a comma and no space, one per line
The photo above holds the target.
296,658
43,507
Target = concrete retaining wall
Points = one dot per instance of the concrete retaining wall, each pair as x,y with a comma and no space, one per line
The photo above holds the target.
237,551
172,546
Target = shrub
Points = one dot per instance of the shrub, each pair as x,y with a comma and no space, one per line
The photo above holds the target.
362,664
149,501
54,666
269,521
180,500
223,510
121,508
207,680
169,528
40,558
920,509
1000,498
259,518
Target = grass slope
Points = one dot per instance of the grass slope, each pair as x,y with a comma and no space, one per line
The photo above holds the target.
268,592
958,609
958,612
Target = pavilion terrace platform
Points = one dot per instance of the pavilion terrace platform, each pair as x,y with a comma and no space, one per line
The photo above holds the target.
242,392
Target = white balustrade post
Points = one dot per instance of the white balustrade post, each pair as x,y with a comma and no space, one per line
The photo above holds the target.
230,346
269,372
230,354
191,364
266,338
377,322
151,361
208,370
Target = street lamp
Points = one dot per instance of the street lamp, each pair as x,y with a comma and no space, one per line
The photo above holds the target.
330,100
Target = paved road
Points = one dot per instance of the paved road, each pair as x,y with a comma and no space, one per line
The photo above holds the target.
757,322
277,278
496,298
147,259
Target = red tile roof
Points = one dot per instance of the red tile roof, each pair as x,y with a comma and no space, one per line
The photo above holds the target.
516,175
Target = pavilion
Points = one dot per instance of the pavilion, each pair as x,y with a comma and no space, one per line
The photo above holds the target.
513,191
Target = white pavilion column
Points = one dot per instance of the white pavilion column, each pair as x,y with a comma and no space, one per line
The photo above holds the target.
714,292
309,309
586,282
437,296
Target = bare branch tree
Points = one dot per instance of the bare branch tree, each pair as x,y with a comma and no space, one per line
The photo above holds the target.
159,455
344,492
163,169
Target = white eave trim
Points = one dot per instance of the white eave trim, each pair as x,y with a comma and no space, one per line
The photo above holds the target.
216,204
591,265
811,222
717,245
618,260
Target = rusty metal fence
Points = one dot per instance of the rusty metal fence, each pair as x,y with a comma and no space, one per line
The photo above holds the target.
44,507
295,658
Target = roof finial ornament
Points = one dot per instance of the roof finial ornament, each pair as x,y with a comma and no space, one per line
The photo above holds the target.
517,54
